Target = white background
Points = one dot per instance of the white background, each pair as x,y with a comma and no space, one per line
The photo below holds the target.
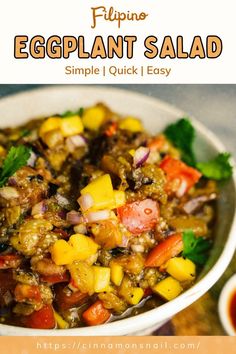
73,17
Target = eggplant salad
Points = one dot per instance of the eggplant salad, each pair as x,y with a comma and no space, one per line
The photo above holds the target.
99,220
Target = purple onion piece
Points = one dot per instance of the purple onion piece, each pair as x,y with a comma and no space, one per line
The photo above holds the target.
74,217
140,156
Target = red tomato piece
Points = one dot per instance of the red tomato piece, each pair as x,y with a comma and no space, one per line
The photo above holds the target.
66,300
26,292
165,250
139,216
56,278
180,177
10,261
42,319
96,314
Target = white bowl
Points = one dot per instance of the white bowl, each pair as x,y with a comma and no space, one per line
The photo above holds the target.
224,301
156,115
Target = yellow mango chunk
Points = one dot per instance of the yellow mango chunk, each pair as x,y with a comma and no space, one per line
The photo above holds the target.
62,253
93,118
71,126
181,269
134,296
52,123
61,323
101,278
101,191
119,198
83,246
168,288
117,273
132,124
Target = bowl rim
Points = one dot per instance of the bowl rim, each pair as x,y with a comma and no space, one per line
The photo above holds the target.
164,312
223,305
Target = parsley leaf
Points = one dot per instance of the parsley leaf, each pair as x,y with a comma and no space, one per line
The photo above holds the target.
182,135
219,168
15,159
195,249
71,113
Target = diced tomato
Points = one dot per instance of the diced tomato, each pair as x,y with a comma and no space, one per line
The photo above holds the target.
111,129
10,261
165,250
96,314
56,278
66,300
139,216
180,177
157,143
42,319
26,292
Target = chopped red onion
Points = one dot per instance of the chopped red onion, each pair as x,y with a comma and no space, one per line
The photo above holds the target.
94,216
74,218
62,201
140,156
39,208
9,193
75,141
85,201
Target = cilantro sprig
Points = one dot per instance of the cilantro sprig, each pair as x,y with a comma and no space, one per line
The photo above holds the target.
219,168
67,114
182,135
195,248
16,158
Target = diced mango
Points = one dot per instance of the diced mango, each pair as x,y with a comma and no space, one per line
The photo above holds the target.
119,198
71,126
134,296
62,253
117,273
168,288
52,123
101,191
132,124
61,323
181,269
84,247
101,278
93,118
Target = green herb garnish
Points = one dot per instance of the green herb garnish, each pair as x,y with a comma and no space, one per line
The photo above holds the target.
182,135
219,168
16,158
195,249
71,113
